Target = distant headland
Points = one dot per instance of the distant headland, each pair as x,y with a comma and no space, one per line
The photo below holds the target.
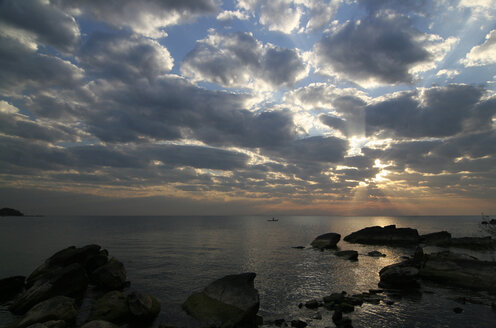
10,212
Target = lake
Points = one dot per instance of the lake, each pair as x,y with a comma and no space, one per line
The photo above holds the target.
172,257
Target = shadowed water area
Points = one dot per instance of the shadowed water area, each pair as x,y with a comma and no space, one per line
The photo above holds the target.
171,257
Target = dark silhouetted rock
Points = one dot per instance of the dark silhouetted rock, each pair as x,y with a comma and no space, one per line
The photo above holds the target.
55,308
10,212
10,287
50,324
474,243
298,323
112,307
376,254
298,247
459,270
399,276
143,307
67,281
389,235
348,255
99,324
458,310
228,302
110,276
312,304
328,240
436,238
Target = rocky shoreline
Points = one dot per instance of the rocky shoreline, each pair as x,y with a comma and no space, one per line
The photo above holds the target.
57,293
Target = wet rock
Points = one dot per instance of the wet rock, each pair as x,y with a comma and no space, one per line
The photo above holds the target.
399,276
313,304
99,324
348,255
475,243
298,323
334,297
96,261
67,281
228,302
112,307
459,270
143,307
345,322
328,240
110,276
317,316
436,238
279,322
10,287
10,212
458,310
55,308
376,254
389,302
337,317
298,247
388,235
50,324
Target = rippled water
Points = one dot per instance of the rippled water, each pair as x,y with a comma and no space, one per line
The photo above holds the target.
171,257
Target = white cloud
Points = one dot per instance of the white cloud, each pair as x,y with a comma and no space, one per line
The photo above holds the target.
230,15
449,73
484,54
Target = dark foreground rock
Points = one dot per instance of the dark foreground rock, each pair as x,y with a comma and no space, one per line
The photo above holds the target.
10,287
99,324
348,255
376,254
111,307
231,301
444,239
56,308
459,270
143,307
50,324
399,276
388,235
436,238
10,212
328,240
110,276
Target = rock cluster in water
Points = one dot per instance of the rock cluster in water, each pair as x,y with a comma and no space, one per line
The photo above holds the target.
6,211
52,295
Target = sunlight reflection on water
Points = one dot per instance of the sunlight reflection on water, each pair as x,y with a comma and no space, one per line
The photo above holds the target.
171,257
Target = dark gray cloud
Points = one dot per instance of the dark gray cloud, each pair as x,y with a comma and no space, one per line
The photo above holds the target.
236,59
144,17
23,67
437,112
42,21
124,57
379,47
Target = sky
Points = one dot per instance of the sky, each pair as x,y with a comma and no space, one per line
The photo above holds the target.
248,107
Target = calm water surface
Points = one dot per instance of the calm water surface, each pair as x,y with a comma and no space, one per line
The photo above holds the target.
171,257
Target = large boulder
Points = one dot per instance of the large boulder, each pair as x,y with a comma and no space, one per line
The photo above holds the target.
110,276
112,307
143,307
68,281
228,302
399,276
327,240
50,324
388,235
474,243
10,287
459,270
436,238
99,324
55,308
10,212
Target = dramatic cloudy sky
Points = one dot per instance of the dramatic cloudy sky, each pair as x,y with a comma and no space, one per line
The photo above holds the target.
248,106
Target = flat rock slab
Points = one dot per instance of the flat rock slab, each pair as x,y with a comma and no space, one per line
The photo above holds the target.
348,255
388,235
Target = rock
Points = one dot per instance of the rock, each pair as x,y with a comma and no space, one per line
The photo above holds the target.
400,276
99,324
112,307
436,238
348,255
475,243
328,240
143,307
389,302
279,322
68,281
458,310
334,297
298,247
10,212
110,276
10,287
298,323
376,254
227,302
317,316
337,316
96,261
313,304
345,322
493,221
459,270
389,235
49,324
55,308
346,307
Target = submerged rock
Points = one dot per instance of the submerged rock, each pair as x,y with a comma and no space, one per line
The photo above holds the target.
459,270
228,302
376,254
55,308
10,287
348,255
388,235
328,240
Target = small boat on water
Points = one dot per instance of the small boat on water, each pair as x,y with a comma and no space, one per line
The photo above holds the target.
273,220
